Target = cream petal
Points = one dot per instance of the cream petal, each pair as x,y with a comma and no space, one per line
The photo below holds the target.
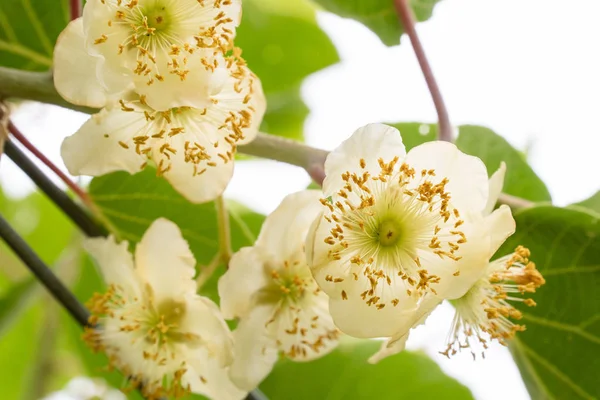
255,348
397,343
467,175
205,376
94,149
501,225
369,143
74,70
496,182
172,91
389,348
244,278
204,318
164,261
196,187
355,318
115,262
285,229
307,331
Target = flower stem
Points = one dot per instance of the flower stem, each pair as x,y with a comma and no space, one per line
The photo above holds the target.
224,231
207,271
75,9
43,273
408,20
64,202
17,134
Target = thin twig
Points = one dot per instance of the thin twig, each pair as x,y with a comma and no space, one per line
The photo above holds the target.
514,202
83,220
43,273
408,20
75,9
207,271
224,230
17,134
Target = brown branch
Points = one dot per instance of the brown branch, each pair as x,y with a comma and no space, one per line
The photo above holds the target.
407,18
75,9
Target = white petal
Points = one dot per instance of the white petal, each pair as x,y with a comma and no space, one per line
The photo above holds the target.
501,225
355,318
389,348
74,70
197,188
203,317
245,276
163,260
307,331
457,277
467,175
285,229
496,182
255,348
94,149
115,262
369,143
205,376
396,343
194,91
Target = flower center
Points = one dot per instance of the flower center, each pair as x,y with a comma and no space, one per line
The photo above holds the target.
389,233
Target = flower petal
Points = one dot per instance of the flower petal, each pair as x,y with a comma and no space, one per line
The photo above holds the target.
501,225
496,182
201,184
355,318
172,91
285,228
397,343
205,376
468,181
255,348
74,70
94,149
163,259
245,277
115,262
368,143
204,318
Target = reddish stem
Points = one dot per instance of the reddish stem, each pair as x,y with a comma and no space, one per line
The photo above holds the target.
75,7
408,20
29,146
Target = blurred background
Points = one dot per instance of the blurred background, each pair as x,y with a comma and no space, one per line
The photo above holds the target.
527,69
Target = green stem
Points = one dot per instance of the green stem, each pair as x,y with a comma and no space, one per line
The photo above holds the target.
224,230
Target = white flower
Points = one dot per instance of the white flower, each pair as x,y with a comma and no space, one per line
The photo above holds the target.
484,312
193,148
270,288
152,324
162,46
504,226
399,230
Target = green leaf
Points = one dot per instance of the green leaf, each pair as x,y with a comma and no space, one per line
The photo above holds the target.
379,15
592,203
520,179
16,300
558,353
415,133
130,203
28,32
283,44
345,374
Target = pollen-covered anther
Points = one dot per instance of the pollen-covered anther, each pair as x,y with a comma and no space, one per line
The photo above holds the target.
486,308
